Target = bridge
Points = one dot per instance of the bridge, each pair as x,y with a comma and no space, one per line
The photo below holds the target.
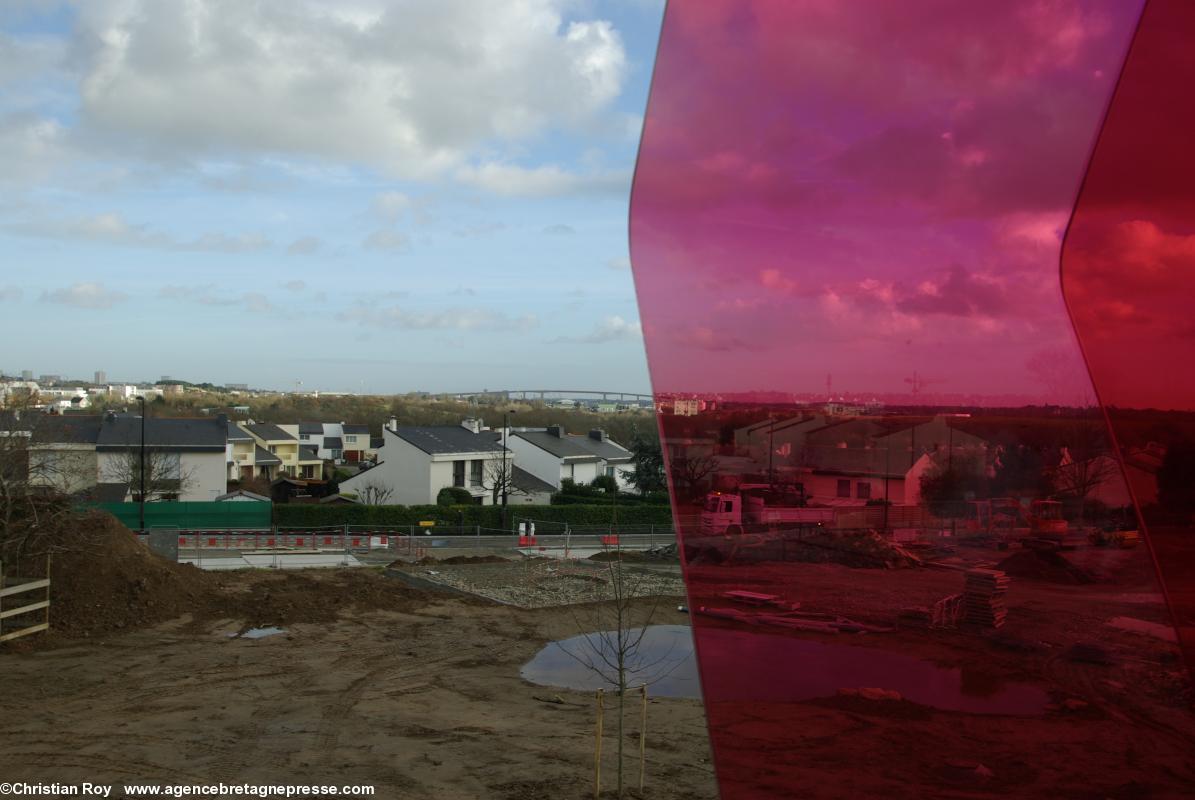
524,394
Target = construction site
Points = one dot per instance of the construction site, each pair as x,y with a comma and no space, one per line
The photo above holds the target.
156,672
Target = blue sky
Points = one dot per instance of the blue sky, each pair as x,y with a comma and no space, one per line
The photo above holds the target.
363,196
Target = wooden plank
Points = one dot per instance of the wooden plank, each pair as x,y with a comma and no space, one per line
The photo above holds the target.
24,587
45,626
14,612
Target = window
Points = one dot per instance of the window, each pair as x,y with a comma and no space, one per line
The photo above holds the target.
350,439
863,490
458,473
844,488
305,436
336,454
273,448
475,473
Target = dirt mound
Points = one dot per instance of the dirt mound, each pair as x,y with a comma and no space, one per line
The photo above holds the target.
1044,565
103,581
474,560
617,555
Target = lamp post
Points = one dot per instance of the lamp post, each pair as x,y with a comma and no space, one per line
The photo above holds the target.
505,474
141,400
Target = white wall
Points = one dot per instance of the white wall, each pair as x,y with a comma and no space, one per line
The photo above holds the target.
403,468
535,460
207,475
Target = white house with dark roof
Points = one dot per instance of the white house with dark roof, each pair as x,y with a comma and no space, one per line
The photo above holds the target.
416,462
553,456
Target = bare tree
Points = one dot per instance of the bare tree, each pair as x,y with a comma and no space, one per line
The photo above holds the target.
165,478
1087,462
614,630
375,494
497,477
689,473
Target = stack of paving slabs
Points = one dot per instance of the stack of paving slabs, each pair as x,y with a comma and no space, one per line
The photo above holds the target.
983,598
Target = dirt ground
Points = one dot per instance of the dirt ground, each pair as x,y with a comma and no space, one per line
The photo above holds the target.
1118,723
373,683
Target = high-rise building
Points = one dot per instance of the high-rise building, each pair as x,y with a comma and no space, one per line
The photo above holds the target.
101,376
26,374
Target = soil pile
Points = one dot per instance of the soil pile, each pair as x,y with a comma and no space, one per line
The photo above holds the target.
863,550
103,581
1044,565
618,555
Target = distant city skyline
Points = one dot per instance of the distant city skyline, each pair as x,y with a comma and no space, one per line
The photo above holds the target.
297,191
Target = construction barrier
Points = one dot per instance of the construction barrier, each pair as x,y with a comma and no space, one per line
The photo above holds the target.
18,587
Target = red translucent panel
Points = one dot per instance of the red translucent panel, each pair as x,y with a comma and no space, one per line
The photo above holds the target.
913,560
1129,276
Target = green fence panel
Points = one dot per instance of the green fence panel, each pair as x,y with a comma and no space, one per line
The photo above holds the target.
193,515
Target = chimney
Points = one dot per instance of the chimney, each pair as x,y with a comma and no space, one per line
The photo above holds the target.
556,430
471,424
598,435
393,425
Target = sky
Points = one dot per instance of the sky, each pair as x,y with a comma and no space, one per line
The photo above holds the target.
869,192
365,196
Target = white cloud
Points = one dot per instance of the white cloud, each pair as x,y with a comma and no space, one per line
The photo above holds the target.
463,319
415,88
304,245
85,295
208,294
386,240
114,229
12,293
611,329
620,263
390,205
295,286
545,181
560,230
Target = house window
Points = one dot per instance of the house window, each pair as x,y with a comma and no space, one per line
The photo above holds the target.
305,436
475,473
350,439
336,454
844,488
273,448
863,490
458,473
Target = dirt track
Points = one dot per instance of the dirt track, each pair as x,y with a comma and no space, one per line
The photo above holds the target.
422,702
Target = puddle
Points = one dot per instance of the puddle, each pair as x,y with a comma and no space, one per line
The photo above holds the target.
257,633
751,666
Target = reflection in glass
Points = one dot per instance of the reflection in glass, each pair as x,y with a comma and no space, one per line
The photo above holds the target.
913,559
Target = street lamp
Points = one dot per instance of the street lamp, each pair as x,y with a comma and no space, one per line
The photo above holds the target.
141,400
505,475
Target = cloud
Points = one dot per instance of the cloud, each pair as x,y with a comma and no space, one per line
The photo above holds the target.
209,294
295,286
386,240
559,230
479,230
305,245
611,329
620,263
549,180
390,205
112,228
774,280
12,293
462,319
85,295
412,88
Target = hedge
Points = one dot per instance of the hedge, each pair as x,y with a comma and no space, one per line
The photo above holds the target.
304,515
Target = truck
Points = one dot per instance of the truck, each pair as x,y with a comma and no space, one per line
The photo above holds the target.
759,507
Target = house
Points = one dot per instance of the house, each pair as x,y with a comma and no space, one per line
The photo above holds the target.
553,456
188,454
416,462
356,442
62,454
294,460
528,489
240,453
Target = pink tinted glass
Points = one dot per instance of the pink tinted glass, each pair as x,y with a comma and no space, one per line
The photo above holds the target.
913,561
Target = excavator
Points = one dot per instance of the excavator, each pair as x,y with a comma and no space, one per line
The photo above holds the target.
1040,524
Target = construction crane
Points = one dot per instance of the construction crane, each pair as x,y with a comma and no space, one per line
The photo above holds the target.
918,383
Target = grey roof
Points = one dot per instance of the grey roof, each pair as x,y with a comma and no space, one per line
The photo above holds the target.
57,429
376,441
525,482
308,452
447,439
355,429
561,447
333,443
197,435
269,432
312,427
264,457
339,498
607,450
237,434
242,493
